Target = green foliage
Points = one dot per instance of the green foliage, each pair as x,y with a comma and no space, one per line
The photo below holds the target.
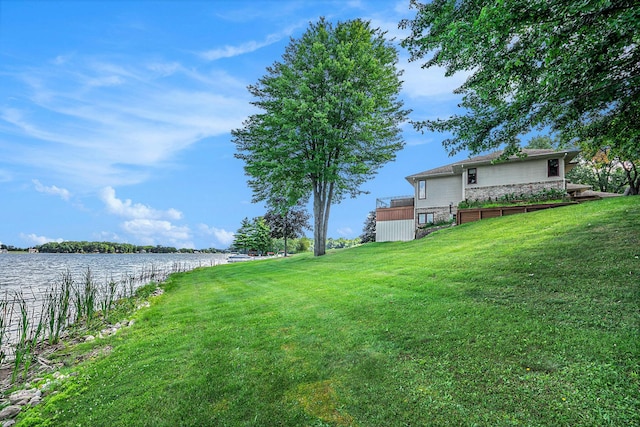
253,235
262,237
330,119
369,228
436,224
302,245
101,247
543,142
342,243
288,224
600,173
546,195
243,236
539,329
57,305
569,65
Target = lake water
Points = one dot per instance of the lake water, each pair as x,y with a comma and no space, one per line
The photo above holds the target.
31,277
33,274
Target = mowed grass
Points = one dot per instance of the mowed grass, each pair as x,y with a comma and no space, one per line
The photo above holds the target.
525,320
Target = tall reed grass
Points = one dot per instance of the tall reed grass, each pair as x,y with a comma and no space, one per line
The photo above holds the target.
27,322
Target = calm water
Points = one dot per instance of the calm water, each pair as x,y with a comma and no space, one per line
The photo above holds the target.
29,277
35,273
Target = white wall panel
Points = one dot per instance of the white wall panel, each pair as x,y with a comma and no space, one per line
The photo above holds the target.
394,231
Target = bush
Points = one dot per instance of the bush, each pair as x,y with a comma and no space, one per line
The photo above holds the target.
546,195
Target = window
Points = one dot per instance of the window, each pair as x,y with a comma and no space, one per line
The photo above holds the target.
472,176
425,218
553,167
422,189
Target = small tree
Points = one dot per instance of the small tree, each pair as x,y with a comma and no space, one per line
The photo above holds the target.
369,229
243,239
288,225
303,244
253,235
262,236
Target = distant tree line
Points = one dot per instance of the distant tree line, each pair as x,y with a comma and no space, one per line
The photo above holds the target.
72,247
11,248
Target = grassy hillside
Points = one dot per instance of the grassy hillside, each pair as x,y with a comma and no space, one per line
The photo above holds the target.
523,320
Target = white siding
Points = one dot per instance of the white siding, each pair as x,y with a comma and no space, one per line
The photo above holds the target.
441,191
394,231
513,173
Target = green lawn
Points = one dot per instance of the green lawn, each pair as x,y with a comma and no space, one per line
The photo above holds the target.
523,320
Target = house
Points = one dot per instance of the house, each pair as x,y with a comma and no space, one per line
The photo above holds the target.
437,192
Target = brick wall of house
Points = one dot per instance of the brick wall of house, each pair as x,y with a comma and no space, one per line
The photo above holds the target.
495,192
440,213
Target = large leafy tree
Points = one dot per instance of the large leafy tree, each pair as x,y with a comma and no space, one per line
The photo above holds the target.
572,66
329,119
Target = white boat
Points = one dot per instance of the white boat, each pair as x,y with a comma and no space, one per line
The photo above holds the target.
239,258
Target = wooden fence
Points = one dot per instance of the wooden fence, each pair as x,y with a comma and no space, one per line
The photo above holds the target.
470,215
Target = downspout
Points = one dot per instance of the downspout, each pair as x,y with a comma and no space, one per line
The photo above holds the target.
416,200
564,178
464,174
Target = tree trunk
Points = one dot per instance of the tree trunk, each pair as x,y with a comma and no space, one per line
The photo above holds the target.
285,233
321,207
633,179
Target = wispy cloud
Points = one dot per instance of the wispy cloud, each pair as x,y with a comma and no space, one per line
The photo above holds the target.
345,231
39,240
222,236
101,123
63,193
5,176
229,51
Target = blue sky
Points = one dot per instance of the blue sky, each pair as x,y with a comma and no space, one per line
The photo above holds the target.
115,116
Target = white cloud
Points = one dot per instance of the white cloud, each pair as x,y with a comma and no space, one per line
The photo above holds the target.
430,82
150,232
128,209
105,81
147,225
229,51
345,231
39,240
61,59
107,236
53,190
5,176
222,236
